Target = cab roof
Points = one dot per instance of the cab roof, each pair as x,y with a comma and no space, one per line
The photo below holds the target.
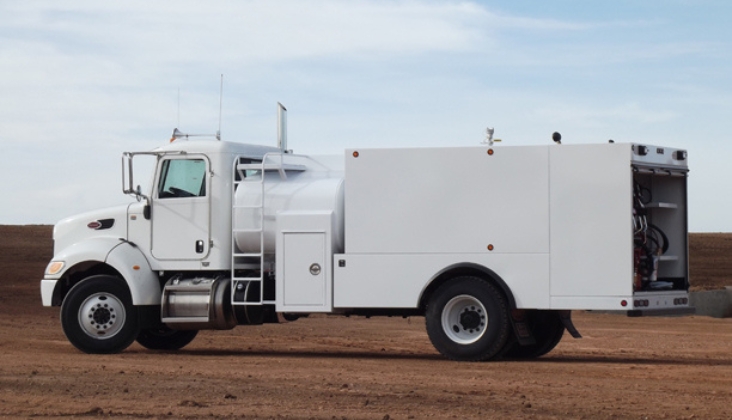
216,147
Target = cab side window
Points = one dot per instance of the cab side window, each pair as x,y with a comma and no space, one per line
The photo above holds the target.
182,178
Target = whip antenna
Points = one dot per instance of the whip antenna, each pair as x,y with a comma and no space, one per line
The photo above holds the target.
178,122
221,101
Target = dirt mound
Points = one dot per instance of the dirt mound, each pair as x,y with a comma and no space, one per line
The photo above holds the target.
710,260
355,368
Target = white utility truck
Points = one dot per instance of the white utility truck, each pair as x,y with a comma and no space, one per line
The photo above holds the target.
494,246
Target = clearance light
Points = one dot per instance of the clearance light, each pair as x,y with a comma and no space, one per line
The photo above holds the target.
55,267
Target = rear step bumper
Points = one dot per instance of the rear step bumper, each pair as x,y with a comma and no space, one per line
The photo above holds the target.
681,311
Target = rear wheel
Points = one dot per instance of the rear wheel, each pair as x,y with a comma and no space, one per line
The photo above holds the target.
164,338
467,319
547,329
97,315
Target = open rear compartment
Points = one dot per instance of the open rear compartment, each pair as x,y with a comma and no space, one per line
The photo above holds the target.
660,236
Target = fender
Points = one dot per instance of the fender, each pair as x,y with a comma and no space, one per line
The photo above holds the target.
130,262
465,268
117,253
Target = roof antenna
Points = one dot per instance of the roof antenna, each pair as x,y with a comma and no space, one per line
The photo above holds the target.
178,124
221,100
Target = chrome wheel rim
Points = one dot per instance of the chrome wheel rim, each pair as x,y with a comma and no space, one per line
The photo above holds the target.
464,319
102,316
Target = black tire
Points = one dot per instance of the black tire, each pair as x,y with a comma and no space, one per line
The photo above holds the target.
467,319
547,329
97,315
164,338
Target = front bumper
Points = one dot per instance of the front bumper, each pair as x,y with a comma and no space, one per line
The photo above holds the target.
47,288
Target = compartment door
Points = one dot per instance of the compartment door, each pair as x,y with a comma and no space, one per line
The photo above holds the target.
304,269
591,224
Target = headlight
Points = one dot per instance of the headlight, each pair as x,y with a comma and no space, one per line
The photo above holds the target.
55,267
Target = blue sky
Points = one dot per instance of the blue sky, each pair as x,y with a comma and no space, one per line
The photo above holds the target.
83,81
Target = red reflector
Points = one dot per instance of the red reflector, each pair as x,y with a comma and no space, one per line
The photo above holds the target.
623,303
94,225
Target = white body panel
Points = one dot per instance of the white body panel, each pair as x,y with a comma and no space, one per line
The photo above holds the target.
399,280
591,224
451,200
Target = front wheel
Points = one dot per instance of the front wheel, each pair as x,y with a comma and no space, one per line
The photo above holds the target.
97,315
164,338
467,319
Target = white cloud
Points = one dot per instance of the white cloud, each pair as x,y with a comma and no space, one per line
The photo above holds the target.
82,81
594,116
232,31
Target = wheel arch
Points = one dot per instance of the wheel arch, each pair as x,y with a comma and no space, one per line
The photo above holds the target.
465,269
111,257
76,273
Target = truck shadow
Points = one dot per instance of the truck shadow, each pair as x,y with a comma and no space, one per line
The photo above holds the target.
301,354
375,355
624,360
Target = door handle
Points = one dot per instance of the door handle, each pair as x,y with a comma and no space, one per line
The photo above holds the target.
199,246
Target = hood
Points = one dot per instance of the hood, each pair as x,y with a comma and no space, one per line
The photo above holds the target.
109,222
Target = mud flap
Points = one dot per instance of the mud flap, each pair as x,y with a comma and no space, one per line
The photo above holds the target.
521,328
566,317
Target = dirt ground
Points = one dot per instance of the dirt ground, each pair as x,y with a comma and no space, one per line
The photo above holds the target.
357,368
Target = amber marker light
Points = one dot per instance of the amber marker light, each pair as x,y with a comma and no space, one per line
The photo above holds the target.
135,267
490,247
55,267
490,152
355,154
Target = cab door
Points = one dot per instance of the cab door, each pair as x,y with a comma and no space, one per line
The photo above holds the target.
181,208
